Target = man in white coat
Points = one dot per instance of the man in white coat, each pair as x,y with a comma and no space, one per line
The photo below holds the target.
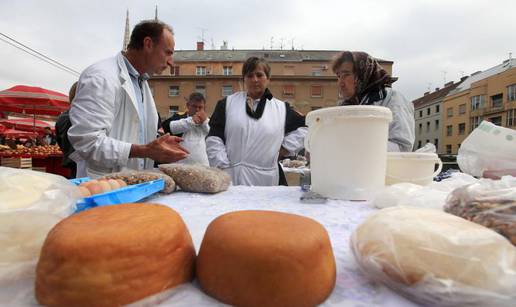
114,118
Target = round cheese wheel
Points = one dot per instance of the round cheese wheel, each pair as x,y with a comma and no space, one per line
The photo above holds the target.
114,255
265,258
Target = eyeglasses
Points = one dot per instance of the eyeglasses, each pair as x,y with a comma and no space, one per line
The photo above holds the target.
343,74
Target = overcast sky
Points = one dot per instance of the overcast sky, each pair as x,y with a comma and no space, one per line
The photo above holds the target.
429,41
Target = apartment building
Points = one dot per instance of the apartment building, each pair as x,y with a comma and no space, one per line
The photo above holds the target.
487,95
428,112
301,77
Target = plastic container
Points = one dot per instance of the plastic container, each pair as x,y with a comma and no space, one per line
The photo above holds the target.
348,150
412,167
126,194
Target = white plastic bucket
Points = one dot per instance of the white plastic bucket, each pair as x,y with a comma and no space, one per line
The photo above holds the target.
348,150
412,167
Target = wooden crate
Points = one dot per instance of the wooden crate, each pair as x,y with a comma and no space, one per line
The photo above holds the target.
17,162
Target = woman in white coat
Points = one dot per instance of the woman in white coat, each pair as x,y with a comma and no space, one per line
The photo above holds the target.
248,129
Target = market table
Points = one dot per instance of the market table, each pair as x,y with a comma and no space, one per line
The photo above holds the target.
340,218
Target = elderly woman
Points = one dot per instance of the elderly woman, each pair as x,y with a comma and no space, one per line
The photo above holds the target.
248,130
362,81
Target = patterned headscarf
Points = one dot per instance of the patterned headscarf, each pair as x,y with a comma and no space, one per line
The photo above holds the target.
372,79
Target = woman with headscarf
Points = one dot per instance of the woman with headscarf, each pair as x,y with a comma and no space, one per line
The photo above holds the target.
362,81
249,128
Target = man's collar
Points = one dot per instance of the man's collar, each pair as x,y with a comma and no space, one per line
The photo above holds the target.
133,72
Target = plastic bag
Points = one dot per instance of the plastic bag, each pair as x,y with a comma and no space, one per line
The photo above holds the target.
435,258
488,148
31,203
491,203
432,196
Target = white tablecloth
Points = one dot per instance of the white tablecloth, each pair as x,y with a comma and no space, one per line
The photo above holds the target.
340,218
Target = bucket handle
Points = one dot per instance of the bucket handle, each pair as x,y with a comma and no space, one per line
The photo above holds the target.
439,168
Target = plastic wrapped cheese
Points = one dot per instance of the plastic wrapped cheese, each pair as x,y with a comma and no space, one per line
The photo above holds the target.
31,203
436,258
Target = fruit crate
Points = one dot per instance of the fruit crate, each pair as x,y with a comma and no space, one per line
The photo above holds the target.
17,162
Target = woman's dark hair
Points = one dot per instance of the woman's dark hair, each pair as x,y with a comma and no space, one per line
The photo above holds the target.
252,63
340,58
151,28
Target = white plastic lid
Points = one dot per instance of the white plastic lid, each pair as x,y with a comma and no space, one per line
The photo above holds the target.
412,155
358,111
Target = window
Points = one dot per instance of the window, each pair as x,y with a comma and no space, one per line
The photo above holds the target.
511,92
428,111
427,141
474,122
174,70
448,149
437,109
462,108
315,108
497,101
436,124
477,102
462,128
316,70
511,118
420,128
449,112
172,110
418,144
288,91
449,130
227,70
227,90
436,143
316,91
497,120
420,114
201,89
200,70
427,126
173,91
289,70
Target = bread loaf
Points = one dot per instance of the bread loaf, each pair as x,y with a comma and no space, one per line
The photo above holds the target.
136,177
197,178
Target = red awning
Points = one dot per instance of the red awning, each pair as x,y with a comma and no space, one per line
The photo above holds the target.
26,124
18,134
33,100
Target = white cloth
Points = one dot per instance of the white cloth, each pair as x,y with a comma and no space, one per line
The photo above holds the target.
105,119
194,139
250,152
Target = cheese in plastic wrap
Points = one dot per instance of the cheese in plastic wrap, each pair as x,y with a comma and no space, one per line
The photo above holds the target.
31,203
436,258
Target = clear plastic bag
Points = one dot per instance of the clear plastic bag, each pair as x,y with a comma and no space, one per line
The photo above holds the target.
488,148
491,203
435,258
31,203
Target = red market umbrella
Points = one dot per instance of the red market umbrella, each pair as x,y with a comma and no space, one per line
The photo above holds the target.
18,133
2,128
26,124
33,100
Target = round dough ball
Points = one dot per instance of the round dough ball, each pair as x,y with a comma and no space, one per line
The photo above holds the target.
114,255
266,258
113,184
104,184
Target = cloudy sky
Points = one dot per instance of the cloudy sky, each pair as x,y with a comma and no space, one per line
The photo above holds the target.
429,41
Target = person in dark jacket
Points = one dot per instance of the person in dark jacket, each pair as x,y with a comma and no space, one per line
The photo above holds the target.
62,125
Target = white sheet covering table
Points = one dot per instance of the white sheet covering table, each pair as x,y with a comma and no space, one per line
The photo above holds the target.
339,218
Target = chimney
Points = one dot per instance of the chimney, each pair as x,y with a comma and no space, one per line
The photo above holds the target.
200,46
224,45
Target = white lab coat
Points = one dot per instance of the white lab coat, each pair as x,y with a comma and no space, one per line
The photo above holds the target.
193,139
105,119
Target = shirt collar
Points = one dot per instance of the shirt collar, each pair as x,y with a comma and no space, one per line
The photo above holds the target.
133,72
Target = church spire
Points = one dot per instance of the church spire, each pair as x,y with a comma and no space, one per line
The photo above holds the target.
156,13
127,32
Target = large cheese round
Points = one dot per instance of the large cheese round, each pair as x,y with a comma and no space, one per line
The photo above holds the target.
114,255
436,258
265,258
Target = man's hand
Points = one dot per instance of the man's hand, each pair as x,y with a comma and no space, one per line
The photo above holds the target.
199,117
165,149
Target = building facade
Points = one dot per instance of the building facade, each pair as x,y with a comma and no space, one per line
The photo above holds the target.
428,113
303,78
488,95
